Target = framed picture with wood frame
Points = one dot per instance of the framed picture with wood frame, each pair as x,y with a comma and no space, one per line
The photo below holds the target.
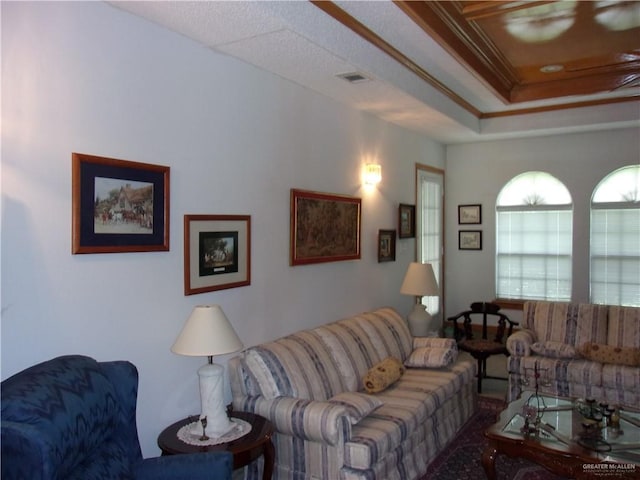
386,246
469,214
406,221
217,252
324,227
470,240
118,205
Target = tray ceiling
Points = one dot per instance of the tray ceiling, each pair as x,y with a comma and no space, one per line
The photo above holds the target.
455,70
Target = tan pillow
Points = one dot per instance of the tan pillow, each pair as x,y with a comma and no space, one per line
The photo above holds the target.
383,374
609,354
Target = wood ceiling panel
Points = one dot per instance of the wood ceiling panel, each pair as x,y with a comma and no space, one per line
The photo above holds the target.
507,43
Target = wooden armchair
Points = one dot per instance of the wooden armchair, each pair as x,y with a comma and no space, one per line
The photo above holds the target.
482,348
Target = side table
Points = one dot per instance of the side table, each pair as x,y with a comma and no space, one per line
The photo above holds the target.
245,449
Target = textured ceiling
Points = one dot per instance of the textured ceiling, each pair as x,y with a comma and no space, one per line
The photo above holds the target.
430,92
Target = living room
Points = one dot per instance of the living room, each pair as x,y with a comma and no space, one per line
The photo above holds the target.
86,77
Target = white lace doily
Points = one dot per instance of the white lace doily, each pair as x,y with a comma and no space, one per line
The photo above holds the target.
240,429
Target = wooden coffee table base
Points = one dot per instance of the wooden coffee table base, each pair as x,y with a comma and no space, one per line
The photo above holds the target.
555,461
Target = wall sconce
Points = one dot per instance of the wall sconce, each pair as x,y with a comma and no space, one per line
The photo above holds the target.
372,174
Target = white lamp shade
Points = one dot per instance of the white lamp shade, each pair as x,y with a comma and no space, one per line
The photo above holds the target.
207,332
420,281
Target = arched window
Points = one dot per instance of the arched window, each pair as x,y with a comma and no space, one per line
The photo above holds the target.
534,239
615,238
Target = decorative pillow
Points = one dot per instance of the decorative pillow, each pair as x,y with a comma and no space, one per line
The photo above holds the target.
431,357
382,375
359,405
438,342
609,354
554,349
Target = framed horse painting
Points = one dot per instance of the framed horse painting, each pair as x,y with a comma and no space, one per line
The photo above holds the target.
217,252
118,205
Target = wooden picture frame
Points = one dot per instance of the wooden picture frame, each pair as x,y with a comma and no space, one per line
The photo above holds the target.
386,246
470,240
217,252
118,205
324,227
469,214
406,221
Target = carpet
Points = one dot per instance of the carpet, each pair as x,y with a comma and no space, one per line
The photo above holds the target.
462,459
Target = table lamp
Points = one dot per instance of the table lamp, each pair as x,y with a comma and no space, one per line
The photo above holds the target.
420,282
207,332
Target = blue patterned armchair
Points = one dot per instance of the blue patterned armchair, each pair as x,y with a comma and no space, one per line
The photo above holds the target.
75,418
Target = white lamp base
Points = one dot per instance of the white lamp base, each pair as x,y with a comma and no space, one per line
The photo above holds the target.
421,323
212,402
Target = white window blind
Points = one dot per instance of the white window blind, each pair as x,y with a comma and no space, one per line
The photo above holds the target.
534,239
615,239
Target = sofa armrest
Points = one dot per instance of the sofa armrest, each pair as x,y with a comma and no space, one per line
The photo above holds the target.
312,420
194,466
519,343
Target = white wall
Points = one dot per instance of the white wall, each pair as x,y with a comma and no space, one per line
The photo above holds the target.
85,77
475,173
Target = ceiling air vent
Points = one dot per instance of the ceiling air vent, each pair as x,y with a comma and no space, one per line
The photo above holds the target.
353,77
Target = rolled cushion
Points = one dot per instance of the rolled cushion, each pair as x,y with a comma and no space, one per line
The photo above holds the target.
358,405
382,375
612,355
554,349
431,357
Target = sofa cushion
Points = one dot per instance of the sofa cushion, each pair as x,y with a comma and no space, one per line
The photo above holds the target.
407,405
352,351
621,378
357,343
358,405
624,327
560,373
569,323
610,354
383,374
554,349
431,357
299,365
388,332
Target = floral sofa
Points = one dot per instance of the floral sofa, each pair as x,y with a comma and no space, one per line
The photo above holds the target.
578,350
311,386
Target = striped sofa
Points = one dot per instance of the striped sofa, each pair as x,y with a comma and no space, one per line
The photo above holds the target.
557,339
309,385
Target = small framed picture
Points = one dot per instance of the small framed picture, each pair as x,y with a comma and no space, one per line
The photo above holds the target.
386,246
217,252
470,240
406,221
118,205
469,214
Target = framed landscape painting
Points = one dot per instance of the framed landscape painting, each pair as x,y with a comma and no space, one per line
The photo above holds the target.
469,214
118,205
324,227
217,252
470,240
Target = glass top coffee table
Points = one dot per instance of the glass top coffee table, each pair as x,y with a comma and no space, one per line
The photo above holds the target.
567,437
